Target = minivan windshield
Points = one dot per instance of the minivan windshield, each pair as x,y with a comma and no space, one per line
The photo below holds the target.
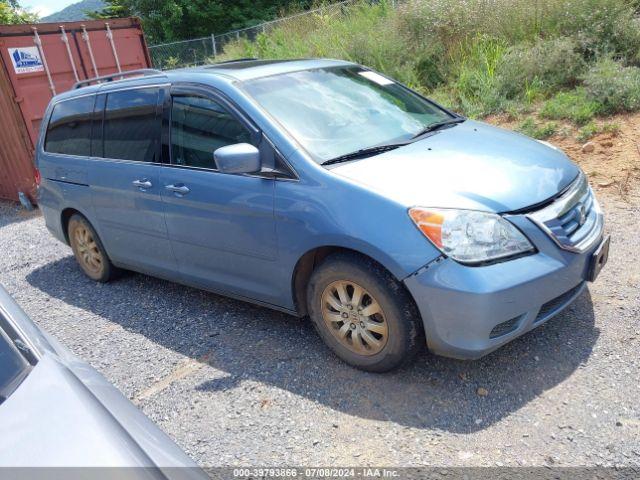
335,111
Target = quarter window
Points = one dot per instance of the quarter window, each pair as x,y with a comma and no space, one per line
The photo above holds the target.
69,130
131,125
199,126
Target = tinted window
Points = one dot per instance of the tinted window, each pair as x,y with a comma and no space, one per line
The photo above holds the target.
131,126
69,130
199,126
13,366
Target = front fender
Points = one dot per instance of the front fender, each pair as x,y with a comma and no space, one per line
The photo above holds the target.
326,210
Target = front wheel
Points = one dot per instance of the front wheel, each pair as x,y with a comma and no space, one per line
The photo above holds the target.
363,314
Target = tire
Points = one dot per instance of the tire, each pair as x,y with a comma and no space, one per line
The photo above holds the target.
89,251
388,330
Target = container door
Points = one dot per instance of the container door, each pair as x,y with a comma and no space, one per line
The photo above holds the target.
105,51
16,151
125,183
26,69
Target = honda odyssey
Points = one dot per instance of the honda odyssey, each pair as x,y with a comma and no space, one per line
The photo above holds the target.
322,188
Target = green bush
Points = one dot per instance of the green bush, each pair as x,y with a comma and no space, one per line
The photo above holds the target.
588,131
612,128
604,27
170,63
475,83
615,87
532,129
430,68
547,64
600,26
574,105
591,129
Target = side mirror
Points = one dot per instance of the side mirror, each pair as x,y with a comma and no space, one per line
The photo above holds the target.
238,158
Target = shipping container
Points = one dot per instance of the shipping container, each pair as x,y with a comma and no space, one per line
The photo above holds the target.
41,60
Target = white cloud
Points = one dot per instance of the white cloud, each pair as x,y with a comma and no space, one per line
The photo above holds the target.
41,10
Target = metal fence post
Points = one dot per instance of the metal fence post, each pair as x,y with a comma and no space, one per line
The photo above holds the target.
213,44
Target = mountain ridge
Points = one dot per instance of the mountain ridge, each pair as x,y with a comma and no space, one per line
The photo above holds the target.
75,11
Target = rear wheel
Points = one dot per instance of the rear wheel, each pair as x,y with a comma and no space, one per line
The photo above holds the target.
88,250
363,314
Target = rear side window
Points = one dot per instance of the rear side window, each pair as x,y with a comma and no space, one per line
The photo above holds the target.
69,130
131,126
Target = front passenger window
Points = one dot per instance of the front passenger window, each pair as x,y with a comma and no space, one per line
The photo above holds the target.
199,126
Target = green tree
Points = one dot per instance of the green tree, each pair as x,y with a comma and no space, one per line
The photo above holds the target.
12,12
167,20
113,9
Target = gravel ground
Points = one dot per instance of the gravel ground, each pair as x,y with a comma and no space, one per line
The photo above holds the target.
235,384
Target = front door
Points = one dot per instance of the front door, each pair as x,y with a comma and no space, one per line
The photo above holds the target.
125,181
221,226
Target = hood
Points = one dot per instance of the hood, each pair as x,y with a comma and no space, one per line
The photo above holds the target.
52,420
471,165
65,414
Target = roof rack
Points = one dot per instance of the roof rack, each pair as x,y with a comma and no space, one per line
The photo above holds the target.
120,75
247,59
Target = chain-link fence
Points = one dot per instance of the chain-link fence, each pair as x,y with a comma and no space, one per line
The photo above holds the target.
199,51
183,53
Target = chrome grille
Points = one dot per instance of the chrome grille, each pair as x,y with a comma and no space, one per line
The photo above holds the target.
574,220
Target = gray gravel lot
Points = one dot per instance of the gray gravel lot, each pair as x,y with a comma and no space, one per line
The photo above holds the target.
235,384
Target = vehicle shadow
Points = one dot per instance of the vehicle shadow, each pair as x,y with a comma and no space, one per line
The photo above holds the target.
250,342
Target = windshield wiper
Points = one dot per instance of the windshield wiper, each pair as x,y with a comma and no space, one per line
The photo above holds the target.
437,126
364,152
367,152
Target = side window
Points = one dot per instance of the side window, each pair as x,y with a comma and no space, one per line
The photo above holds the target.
131,126
199,126
69,129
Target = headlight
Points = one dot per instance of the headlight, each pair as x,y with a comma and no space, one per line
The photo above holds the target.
469,236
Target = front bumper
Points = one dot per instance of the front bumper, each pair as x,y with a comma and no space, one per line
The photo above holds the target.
468,312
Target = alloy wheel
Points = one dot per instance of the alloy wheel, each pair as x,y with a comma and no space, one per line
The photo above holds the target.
354,317
88,251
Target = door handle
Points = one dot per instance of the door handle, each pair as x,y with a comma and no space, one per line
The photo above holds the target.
142,184
180,189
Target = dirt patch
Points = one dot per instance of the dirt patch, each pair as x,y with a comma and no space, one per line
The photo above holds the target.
613,164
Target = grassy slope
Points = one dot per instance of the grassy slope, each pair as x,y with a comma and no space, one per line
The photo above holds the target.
562,60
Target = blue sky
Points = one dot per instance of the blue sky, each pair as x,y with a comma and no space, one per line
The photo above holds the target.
46,7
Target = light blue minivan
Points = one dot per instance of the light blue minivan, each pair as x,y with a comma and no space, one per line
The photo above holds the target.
322,188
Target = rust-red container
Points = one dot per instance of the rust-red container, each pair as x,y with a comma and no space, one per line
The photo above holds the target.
40,60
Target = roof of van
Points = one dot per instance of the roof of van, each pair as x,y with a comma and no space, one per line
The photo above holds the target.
249,69
238,70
